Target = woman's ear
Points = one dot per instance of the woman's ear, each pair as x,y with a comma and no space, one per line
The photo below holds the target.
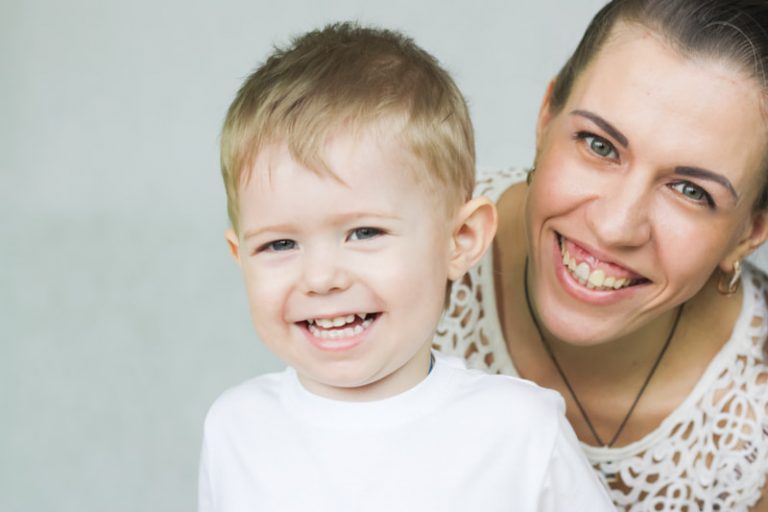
234,244
545,113
754,236
473,232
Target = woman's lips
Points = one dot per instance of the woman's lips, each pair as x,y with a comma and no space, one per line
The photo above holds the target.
592,272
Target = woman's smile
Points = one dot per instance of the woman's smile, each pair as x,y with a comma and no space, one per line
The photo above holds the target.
593,271
615,210
590,280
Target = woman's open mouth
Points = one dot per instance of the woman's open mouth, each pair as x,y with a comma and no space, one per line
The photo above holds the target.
593,273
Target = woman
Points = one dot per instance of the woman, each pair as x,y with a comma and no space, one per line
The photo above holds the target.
614,275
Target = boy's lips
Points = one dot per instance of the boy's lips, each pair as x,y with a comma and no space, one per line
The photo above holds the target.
339,327
593,271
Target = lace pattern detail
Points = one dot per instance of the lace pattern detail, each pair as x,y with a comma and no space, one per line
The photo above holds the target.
710,454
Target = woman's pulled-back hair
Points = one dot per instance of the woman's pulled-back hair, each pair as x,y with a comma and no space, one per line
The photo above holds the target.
348,76
732,30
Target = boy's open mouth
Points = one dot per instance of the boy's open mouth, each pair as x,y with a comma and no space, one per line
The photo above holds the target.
594,273
345,326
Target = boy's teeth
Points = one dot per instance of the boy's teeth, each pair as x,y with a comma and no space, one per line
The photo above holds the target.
339,321
327,323
592,279
333,334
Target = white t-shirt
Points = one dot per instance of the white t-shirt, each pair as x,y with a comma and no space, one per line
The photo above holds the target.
461,440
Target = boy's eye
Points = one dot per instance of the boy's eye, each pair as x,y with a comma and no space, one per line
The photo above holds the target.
278,245
364,233
693,193
598,145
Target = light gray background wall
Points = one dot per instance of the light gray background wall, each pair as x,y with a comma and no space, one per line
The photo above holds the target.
121,314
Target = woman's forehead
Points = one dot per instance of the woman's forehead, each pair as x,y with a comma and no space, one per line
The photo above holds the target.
673,109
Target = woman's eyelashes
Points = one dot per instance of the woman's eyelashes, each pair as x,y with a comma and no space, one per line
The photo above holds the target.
693,193
598,146
603,148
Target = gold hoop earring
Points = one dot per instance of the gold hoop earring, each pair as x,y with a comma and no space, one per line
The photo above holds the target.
729,282
529,176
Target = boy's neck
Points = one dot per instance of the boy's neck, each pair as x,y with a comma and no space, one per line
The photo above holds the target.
407,377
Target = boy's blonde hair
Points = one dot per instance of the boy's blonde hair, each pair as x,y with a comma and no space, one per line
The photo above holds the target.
350,76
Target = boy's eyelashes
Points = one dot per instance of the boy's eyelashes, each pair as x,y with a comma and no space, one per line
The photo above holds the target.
277,246
364,233
354,235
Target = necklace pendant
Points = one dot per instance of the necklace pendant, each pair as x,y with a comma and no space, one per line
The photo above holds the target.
610,471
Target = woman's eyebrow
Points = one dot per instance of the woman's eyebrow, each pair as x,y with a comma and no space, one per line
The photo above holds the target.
693,172
698,172
605,125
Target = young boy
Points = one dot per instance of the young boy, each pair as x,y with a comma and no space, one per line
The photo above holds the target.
348,161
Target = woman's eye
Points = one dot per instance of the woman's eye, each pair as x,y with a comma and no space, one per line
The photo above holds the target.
693,192
278,246
599,145
364,233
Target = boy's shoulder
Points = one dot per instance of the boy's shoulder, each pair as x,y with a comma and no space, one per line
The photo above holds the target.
255,394
502,396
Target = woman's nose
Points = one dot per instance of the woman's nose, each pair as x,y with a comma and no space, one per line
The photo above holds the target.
620,215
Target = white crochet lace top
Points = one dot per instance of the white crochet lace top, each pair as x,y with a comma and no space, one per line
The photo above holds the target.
710,454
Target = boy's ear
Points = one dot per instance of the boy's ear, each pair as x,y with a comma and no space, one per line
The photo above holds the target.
473,232
234,244
754,236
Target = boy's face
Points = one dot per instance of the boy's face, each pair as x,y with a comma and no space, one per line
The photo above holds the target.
346,278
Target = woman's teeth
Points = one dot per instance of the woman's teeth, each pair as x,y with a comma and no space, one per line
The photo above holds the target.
593,279
333,328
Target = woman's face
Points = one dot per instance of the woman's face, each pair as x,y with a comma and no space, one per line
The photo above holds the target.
645,182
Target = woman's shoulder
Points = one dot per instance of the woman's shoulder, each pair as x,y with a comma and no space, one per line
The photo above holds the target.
724,419
753,319
492,183
470,326
751,330
758,277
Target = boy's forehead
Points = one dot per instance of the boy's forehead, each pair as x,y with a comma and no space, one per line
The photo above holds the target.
367,168
351,153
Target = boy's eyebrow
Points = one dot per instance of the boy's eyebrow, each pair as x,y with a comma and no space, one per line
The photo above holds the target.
698,172
340,219
605,125
250,233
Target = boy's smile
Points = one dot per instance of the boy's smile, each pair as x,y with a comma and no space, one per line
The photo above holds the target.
345,272
340,328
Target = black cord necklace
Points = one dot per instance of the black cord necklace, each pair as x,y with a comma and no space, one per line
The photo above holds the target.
583,412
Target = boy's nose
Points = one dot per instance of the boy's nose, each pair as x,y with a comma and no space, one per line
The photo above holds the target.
324,272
